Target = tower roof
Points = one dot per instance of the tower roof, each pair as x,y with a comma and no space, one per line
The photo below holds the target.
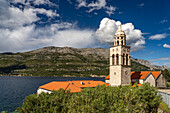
120,31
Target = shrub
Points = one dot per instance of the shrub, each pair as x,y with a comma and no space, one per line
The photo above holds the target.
103,99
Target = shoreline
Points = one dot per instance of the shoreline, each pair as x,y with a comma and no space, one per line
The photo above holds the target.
56,76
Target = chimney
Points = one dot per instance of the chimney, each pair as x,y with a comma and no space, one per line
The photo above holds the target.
81,83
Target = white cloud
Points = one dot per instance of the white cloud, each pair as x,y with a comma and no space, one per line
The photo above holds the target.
19,33
158,36
35,2
81,3
165,58
161,61
48,13
166,46
163,21
97,5
14,17
110,10
141,5
29,37
108,27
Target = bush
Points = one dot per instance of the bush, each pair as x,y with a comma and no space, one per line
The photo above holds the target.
103,99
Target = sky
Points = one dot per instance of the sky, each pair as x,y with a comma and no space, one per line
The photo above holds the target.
32,24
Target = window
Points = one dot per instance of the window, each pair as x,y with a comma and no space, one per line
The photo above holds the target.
117,59
117,42
122,42
113,59
123,59
126,59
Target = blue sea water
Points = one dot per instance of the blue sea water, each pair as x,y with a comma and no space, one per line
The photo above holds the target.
13,89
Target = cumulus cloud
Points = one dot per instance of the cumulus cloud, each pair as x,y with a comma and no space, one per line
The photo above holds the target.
158,36
29,37
20,33
105,33
166,46
35,2
14,17
97,5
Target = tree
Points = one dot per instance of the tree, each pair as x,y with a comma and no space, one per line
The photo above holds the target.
166,74
101,99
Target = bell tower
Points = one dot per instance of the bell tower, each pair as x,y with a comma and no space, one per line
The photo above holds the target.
120,66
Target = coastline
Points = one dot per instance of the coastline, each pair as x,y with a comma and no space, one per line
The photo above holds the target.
57,76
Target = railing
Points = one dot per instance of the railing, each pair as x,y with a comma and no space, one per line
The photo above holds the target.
165,98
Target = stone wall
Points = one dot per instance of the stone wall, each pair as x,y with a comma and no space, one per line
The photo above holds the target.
161,81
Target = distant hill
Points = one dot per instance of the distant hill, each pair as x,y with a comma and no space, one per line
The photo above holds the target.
62,61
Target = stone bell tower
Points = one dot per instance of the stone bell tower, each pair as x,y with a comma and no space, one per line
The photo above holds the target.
120,66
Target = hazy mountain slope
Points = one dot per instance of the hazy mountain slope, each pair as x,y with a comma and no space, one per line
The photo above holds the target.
59,61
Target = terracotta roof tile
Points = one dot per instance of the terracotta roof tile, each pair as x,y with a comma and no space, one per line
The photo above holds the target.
139,75
107,84
156,73
74,86
55,85
108,77
137,85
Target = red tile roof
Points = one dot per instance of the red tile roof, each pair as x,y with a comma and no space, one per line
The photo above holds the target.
107,84
74,86
137,85
108,77
141,74
156,73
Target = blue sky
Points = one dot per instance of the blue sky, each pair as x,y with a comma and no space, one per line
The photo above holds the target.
31,24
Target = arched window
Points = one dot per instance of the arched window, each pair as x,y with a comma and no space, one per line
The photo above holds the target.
117,42
117,59
123,59
122,42
127,59
113,59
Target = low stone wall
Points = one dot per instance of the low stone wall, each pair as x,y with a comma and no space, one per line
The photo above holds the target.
165,93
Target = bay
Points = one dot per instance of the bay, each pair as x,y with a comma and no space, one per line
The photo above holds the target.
13,89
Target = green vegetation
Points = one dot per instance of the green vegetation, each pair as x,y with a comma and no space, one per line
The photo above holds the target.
164,107
138,67
101,99
166,73
53,61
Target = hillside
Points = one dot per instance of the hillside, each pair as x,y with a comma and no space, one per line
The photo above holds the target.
60,61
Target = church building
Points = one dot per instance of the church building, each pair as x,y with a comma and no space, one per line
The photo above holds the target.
120,66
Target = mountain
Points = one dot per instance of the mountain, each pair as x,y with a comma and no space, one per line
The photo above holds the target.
62,61
148,64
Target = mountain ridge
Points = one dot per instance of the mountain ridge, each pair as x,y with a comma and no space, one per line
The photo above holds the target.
63,61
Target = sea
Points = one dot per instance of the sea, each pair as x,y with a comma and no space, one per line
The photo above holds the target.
14,89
